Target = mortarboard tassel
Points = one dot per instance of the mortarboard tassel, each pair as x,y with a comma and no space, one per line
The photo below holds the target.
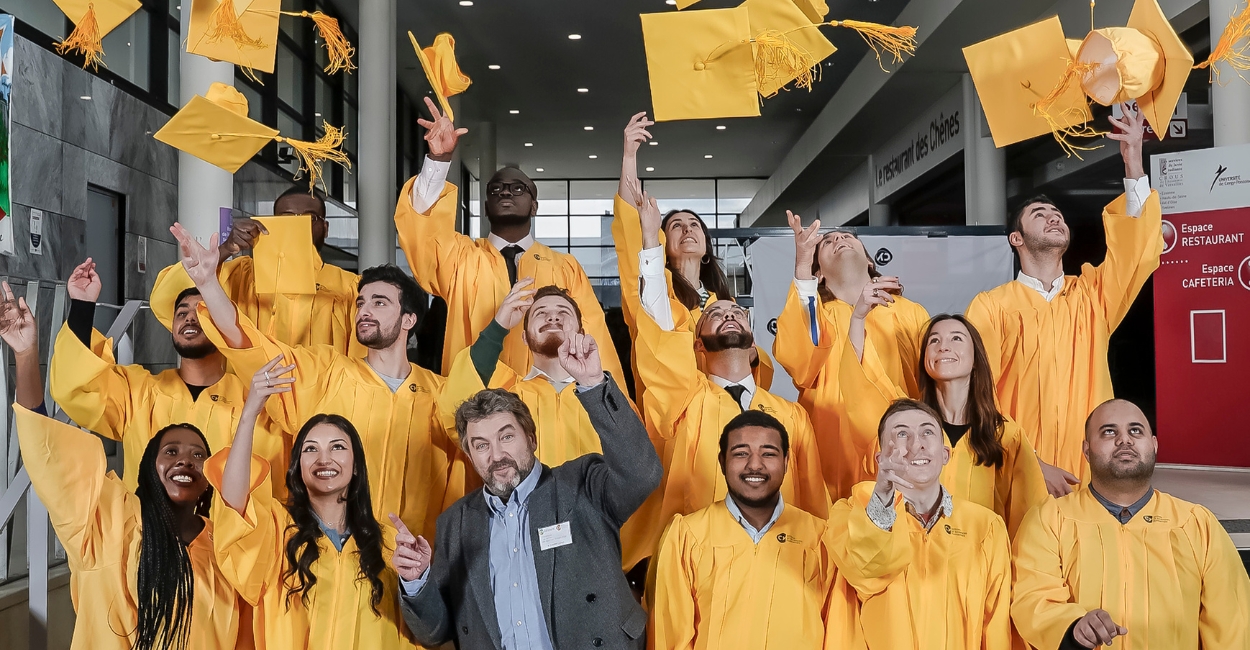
776,56
1074,71
337,45
224,23
312,154
85,39
1238,28
895,40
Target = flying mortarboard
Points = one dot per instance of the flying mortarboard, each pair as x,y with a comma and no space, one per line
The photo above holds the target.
93,20
215,128
441,69
245,33
283,259
700,64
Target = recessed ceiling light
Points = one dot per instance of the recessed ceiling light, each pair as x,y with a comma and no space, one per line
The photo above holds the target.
670,2
707,155
466,3
538,169
720,127
317,114
653,142
493,66
514,112
87,97
588,128
583,90
593,156
651,169
575,37
529,144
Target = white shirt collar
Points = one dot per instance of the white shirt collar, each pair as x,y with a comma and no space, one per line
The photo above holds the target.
500,243
535,373
747,382
1036,285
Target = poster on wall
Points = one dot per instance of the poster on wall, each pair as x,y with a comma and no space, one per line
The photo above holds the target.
6,103
941,273
1202,305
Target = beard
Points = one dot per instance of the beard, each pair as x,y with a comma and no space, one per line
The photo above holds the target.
194,350
548,345
504,489
380,338
1044,242
722,341
1143,469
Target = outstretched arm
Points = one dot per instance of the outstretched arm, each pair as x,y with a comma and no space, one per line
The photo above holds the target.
201,265
236,477
635,134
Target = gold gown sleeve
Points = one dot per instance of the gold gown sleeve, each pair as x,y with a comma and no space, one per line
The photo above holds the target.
1041,607
983,316
674,616
1133,249
95,392
668,368
793,346
594,322
627,239
868,557
248,545
996,551
1223,617
809,484
1020,482
429,240
236,278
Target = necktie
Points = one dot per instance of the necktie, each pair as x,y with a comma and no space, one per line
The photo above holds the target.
735,391
510,253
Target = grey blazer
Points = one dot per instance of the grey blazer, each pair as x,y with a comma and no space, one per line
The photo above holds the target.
585,598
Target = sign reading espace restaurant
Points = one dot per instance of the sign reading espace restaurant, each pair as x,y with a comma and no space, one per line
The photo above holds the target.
1202,306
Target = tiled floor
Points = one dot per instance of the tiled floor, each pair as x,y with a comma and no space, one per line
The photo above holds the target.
1225,491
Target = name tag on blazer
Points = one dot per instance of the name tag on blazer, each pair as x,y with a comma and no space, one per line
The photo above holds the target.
555,536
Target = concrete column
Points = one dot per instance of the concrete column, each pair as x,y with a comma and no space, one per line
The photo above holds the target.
487,163
376,159
203,188
1230,102
985,166
879,214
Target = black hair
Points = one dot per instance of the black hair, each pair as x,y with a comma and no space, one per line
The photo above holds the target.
751,418
1015,217
825,294
304,531
411,297
166,581
711,275
301,190
189,291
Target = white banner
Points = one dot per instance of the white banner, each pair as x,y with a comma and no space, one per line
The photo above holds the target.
941,273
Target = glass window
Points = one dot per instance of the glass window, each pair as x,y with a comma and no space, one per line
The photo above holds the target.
289,78
553,198
552,230
175,9
173,50
350,122
298,28
592,260
127,48
733,195
349,189
698,195
289,127
254,101
40,14
324,103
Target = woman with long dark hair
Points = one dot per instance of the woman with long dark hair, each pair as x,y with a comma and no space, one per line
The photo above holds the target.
141,565
314,567
991,463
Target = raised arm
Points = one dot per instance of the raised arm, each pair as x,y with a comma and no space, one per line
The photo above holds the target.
630,470
201,265
803,341
669,369
626,224
635,134
235,478
876,293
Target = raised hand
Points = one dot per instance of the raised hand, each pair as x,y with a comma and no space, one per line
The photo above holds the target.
877,292
1096,628
579,356
200,262
515,304
805,241
242,237
1129,131
17,323
84,283
636,133
1059,482
440,133
892,466
267,381
412,553
649,217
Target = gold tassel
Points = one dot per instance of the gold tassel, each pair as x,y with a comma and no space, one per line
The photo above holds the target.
1072,72
337,46
895,40
224,23
312,154
1238,28
85,39
778,57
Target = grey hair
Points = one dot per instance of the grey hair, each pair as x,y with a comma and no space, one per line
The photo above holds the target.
491,402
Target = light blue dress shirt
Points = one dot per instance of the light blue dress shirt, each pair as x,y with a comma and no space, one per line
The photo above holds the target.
756,535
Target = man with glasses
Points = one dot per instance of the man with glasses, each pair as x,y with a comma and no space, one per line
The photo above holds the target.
474,277
326,317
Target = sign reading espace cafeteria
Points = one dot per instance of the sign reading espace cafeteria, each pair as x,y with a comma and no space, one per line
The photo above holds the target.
1202,306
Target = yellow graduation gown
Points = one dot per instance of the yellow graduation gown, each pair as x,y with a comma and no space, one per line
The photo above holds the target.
1171,575
100,524
627,239
473,278
1050,358
251,550
327,317
892,334
946,588
716,588
130,404
688,412
407,451
1010,491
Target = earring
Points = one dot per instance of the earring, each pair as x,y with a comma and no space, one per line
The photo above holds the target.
706,259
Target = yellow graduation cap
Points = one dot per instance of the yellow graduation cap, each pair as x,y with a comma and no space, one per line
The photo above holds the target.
93,20
1014,71
245,33
1158,102
283,260
700,64
787,44
215,128
441,69
815,10
682,4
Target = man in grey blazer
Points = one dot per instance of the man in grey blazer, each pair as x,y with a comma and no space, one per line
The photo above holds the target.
532,561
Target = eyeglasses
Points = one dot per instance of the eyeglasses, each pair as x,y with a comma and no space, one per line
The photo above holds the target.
513,189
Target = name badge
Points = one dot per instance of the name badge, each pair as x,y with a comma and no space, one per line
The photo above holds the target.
555,536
